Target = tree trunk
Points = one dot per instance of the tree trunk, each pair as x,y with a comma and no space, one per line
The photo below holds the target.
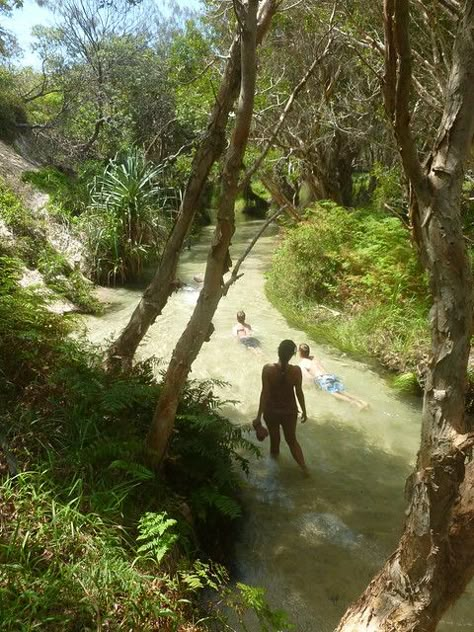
435,557
344,170
155,297
200,327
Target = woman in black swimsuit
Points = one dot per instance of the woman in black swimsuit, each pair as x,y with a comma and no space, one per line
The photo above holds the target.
280,383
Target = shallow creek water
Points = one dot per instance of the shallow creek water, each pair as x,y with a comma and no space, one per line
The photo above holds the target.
313,543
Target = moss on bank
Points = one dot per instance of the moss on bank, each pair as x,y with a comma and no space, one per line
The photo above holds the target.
351,279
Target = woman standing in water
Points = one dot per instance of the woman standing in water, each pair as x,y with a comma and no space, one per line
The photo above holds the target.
280,383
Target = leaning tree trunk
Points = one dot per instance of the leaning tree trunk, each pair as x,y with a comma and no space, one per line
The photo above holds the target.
155,297
435,556
200,327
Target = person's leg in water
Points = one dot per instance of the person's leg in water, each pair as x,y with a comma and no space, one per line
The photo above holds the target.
289,430
273,426
345,397
253,344
333,385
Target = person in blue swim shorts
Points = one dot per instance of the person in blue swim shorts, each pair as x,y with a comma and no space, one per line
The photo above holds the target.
313,370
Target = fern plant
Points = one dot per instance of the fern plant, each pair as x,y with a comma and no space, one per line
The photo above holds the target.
155,531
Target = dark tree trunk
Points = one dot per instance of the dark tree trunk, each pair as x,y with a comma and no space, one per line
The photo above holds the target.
154,299
200,327
344,171
255,206
435,557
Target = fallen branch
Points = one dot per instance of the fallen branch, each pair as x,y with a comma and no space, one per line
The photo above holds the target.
280,198
235,271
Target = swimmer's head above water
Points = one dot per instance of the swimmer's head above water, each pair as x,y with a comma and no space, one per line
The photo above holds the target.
241,317
304,350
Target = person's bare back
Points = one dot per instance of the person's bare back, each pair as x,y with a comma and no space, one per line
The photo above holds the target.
281,393
281,386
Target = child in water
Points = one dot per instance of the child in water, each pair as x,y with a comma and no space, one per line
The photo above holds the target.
243,331
312,369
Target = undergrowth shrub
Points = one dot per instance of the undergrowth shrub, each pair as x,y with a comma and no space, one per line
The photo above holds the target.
353,279
89,535
12,109
68,192
126,222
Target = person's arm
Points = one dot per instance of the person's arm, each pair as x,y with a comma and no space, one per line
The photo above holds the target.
300,394
263,399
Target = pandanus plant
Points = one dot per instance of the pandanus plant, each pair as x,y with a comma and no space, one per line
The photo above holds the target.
127,219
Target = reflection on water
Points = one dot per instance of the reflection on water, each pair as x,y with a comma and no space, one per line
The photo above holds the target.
314,543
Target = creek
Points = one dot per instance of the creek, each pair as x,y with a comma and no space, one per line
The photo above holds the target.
313,543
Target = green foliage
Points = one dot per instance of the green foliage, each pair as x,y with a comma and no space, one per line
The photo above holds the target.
207,446
64,569
69,194
32,247
406,383
91,536
309,260
194,93
389,188
253,598
363,264
155,531
126,222
12,111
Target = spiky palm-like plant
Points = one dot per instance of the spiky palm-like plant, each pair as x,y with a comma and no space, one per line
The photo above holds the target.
127,219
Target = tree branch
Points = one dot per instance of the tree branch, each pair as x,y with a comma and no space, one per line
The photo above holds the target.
235,276
289,104
397,87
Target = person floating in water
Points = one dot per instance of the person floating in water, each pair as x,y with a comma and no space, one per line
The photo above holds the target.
191,290
280,383
314,370
243,331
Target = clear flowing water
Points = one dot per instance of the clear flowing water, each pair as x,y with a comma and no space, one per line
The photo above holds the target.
313,543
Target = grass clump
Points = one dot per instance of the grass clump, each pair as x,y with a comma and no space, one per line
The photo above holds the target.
68,192
352,279
90,537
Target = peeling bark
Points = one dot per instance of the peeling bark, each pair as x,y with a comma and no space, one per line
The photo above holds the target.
200,326
434,560
156,296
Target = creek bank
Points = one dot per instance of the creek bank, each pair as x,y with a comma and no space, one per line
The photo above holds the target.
98,538
351,279
51,255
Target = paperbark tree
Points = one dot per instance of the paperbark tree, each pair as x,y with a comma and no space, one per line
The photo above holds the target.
200,327
210,149
435,557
